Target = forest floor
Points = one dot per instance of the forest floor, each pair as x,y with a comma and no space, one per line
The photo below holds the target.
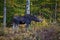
36,33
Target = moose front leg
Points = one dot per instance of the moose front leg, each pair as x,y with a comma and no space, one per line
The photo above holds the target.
15,27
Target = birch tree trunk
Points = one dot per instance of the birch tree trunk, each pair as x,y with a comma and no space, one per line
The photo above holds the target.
4,19
27,6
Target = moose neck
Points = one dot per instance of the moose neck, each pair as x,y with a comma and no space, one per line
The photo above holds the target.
27,6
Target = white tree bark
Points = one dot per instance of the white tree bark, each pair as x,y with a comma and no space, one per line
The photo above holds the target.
27,6
4,19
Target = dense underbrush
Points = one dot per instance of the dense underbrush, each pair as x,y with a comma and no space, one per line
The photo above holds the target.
35,33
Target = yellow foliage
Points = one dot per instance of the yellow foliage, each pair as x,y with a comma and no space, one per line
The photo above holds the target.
1,16
22,14
44,22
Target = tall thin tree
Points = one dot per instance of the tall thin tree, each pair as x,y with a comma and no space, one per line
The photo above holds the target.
27,6
55,10
4,19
